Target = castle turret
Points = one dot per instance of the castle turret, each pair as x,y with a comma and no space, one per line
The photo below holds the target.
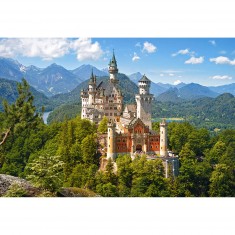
163,138
113,70
144,102
92,89
111,150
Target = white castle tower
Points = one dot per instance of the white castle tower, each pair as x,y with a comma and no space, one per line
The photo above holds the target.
92,89
144,102
163,138
113,70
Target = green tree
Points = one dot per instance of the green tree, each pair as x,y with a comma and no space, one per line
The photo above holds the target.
124,174
222,181
107,190
178,135
89,150
103,125
214,154
46,172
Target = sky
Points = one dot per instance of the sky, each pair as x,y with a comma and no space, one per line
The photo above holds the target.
207,61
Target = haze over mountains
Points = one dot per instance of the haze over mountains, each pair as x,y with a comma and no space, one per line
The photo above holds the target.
55,79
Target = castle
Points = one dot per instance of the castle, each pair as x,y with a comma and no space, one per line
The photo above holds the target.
129,128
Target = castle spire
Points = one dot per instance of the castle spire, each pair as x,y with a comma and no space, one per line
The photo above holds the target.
92,77
113,70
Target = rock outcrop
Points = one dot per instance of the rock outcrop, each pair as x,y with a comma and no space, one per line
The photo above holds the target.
7,180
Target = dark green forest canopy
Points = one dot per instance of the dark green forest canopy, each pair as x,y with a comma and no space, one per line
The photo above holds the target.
64,155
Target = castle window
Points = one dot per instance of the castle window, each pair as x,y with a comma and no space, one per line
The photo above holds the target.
157,146
151,146
162,132
111,114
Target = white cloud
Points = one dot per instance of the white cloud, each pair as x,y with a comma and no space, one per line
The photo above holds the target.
171,74
46,48
49,48
182,52
86,50
138,44
179,76
194,60
135,57
177,82
219,77
161,75
149,47
212,42
222,60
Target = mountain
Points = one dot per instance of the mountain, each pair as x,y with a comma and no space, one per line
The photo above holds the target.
84,72
55,79
135,77
8,91
128,88
190,91
194,91
11,69
230,88
171,95
51,80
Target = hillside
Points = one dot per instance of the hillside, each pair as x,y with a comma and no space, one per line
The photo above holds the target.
8,91
188,92
208,112
230,88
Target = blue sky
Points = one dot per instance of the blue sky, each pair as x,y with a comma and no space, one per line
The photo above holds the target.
207,61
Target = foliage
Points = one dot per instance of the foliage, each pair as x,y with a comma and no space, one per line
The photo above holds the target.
46,172
16,190
103,128
222,181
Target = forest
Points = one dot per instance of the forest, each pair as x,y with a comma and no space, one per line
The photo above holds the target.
64,156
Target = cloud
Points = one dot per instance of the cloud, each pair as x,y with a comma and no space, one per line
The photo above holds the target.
194,60
149,47
161,75
219,77
46,48
212,42
138,44
182,52
86,50
171,74
222,60
49,48
135,57
177,82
